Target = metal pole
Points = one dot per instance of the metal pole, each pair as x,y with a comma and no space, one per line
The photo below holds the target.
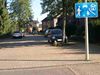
86,38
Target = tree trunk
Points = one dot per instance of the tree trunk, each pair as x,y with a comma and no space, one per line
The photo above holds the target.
64,19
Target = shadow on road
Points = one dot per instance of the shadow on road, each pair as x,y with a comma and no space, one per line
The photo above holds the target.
29,40
80,46
38,40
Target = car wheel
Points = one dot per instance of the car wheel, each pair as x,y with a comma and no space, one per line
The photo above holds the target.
49,41
21,37
55,43
61,44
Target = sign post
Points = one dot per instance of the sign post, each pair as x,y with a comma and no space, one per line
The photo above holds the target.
86,37
86,10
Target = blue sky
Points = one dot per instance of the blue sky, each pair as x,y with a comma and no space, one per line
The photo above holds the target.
36,8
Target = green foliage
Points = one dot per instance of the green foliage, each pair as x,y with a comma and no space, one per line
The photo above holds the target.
52,6
71,30
5,21
55,7
95,22
20,12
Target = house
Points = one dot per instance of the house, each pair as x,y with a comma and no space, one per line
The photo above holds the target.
34,24
29,28
49,22
40,27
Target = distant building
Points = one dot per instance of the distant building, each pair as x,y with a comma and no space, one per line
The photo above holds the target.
49,22
40,27
29,28
46,23
33,24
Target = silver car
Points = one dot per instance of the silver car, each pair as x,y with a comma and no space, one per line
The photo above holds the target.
17,34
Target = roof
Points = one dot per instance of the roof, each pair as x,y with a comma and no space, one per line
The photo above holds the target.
35,21
47,19
51,18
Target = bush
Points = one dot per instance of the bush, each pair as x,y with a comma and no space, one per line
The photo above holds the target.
3,36
94,30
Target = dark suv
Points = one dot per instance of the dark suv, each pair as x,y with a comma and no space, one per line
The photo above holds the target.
55,36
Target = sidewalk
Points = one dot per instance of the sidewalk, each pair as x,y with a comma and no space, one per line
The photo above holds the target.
86,69
76,69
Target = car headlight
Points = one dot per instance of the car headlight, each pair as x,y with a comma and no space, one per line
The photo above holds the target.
53,37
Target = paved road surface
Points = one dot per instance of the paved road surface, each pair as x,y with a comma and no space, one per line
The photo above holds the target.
76,69
18,56
40,71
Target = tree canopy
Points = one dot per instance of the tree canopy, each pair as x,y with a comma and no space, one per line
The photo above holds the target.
13,15
52,6
5,22
20,11
56,6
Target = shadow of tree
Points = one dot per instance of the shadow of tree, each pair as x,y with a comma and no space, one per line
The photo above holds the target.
80,46
25,41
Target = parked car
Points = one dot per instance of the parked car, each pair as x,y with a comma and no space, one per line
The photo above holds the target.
55,37
34,32
18,34
46,32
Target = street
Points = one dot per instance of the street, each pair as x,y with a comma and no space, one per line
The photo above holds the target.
31,48
33,51
49,37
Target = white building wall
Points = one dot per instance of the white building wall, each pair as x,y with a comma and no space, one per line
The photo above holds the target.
55,22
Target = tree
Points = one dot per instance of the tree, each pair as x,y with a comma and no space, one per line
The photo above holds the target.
5,22
16,16
20,12
54,7
66,7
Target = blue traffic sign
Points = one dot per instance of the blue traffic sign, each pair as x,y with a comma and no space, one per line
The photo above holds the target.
89,9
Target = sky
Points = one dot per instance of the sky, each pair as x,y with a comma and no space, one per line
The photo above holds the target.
36,10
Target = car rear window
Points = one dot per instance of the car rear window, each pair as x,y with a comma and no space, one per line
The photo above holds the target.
57,31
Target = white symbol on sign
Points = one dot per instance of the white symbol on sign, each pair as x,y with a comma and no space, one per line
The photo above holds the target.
85,6
79,11
88,13
92,8
91,12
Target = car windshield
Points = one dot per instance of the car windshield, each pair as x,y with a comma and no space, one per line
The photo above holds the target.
47,31
58,31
